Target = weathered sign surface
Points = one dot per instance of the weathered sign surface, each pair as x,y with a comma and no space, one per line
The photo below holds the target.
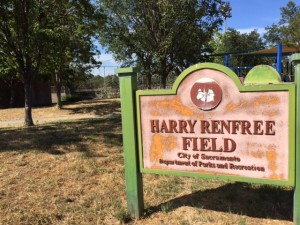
210,124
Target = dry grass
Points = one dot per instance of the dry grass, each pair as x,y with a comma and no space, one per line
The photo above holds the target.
72,172
85,109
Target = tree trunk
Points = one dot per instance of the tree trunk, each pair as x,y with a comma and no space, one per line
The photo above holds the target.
58,95
12,96
163,73
149,81
58,90
28,101
163,81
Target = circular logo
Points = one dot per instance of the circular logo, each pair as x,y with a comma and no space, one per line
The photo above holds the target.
206,94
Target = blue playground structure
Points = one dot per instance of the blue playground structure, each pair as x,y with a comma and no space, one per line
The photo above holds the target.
279,51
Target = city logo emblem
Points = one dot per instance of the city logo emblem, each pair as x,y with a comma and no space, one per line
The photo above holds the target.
206,94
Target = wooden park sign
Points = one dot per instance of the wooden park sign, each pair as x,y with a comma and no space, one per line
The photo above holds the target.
210,125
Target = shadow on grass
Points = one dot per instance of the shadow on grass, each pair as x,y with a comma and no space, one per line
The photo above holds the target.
261,201
63,137
100,107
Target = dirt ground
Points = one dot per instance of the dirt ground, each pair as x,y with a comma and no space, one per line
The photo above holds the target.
80,110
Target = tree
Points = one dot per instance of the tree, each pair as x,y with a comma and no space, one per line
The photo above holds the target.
160,36
35,31
71,56
235,42
112,81
21,37
287,29
94,82
226,13
75,77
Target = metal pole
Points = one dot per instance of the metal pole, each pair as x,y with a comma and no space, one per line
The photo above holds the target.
104,84
227,60
279,59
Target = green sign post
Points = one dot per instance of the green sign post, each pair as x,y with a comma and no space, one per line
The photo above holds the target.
296,61
134,185
211,125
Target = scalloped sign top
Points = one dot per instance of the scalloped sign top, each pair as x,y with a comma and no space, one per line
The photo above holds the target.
210,124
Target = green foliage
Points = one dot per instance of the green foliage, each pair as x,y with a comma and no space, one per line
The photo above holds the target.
287,29
120,212
112,81
166,207
159,36
235,42
93,83
70,98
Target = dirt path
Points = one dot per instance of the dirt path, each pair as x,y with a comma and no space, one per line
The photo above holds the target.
80,110
36,121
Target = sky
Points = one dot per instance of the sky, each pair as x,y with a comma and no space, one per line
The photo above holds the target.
247,15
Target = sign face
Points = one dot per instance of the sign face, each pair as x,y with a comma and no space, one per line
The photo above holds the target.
211,125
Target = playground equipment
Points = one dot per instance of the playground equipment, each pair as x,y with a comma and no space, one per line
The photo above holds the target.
278,52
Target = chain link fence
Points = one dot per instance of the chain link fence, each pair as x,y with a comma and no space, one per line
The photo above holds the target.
108,87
